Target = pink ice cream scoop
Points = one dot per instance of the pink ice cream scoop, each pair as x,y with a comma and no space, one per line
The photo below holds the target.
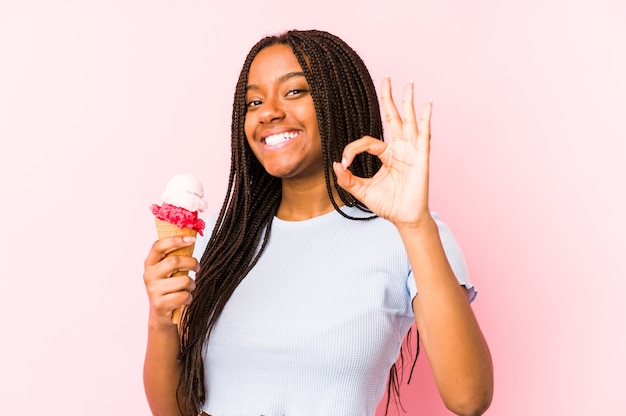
178,216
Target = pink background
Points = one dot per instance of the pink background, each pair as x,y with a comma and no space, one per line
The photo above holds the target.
99,99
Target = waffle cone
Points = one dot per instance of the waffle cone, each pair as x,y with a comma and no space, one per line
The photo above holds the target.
166,229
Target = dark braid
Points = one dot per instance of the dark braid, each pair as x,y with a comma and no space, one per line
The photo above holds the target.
347,108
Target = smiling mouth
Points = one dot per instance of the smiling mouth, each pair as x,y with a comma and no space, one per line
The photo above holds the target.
275,139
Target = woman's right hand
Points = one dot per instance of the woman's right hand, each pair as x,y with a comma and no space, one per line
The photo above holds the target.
166,293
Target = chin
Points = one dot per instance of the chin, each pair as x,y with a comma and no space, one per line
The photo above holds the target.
279,173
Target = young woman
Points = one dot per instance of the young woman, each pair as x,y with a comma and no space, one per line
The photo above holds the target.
322,257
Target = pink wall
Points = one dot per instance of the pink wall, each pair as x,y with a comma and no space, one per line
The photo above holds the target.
528,169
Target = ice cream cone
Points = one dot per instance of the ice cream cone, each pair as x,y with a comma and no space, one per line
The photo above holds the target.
166,229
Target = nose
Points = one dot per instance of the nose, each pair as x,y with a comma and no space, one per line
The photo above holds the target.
271,110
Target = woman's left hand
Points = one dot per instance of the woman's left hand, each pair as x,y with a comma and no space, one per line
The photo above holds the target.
399,190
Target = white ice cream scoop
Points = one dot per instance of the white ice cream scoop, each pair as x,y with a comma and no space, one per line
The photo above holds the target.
185,191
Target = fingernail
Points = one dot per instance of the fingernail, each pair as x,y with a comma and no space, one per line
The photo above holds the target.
344,163
189,239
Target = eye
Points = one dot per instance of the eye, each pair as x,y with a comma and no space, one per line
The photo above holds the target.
296,91
253,103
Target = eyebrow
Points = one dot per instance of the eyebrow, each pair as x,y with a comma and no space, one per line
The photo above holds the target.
281,79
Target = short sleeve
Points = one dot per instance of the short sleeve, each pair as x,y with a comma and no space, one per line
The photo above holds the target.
455,258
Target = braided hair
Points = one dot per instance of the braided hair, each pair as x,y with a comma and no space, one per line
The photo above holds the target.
346,105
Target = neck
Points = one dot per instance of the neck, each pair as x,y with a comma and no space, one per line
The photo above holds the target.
303,200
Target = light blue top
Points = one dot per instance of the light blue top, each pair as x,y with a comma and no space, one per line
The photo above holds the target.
317,323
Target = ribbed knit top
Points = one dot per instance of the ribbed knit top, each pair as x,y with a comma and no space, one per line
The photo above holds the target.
317,323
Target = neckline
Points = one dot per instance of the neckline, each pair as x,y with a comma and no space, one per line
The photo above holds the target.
320,219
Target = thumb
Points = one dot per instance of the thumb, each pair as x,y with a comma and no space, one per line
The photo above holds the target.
347,180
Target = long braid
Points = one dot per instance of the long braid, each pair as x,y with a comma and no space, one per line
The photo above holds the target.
347,108
335,73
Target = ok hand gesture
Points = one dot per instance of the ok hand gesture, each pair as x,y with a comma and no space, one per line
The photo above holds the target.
399,190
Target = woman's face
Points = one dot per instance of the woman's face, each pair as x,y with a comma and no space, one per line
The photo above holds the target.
280,124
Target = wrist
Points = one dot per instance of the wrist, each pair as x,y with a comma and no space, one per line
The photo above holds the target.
424,225
161,324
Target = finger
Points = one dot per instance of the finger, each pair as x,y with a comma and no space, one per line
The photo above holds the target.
424,129
165,305
176,287
409,122
390,111
351,183
178,265
366,144
164,287
161,247
170,266
424,123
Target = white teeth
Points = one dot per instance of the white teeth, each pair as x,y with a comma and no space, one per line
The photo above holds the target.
280,137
